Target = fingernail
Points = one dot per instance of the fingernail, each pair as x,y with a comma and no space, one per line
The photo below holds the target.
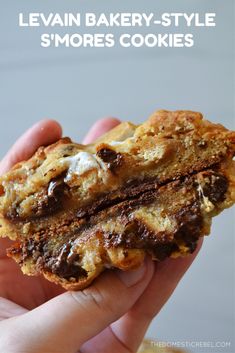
132,277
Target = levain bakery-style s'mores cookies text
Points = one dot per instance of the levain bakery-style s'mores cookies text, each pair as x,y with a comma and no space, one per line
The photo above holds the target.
74,210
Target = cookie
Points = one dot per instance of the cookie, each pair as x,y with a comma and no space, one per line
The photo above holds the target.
75,210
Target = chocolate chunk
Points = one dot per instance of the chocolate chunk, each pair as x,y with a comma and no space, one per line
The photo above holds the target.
162,251
58,261
138,236
190,222
47,201
110,157
1,190
202,144
67,271
51,199
64,267
216,187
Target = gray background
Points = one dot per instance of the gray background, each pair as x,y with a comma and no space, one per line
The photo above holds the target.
78,86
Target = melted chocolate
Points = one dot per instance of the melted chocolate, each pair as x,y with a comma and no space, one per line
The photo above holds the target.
134,191
47,202
110,157
58,261
161,244
51,199
189,222
138,236
216,187
65,266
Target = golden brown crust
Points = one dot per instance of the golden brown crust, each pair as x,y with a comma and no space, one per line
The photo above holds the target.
76,210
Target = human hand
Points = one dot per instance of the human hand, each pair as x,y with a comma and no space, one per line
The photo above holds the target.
112,315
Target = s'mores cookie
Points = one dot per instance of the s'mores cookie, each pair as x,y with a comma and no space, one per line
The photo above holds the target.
74,210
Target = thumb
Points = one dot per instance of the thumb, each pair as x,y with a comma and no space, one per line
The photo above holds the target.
64,323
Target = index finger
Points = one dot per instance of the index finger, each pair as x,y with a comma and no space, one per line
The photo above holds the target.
42,133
